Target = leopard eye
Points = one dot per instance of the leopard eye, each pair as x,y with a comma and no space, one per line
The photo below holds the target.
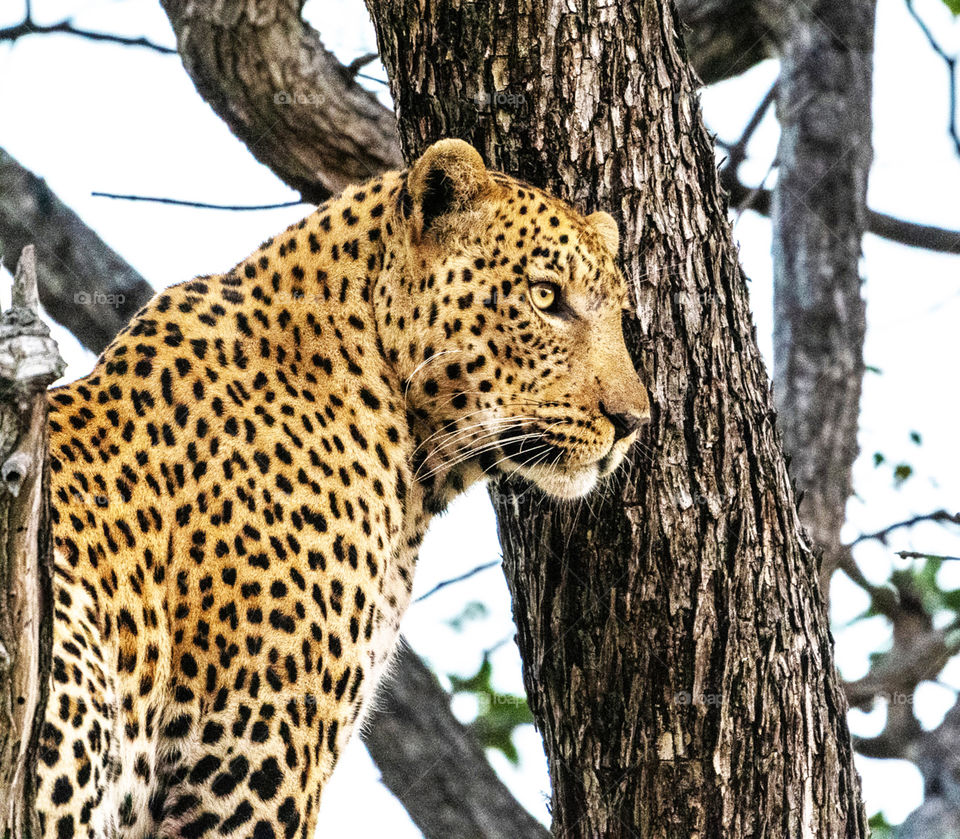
545,296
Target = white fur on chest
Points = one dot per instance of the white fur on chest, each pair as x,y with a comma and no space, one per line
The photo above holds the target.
384,642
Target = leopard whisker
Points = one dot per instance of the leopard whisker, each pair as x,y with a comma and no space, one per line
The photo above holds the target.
422,365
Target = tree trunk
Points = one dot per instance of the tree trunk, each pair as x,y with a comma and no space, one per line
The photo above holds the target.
29,362
819,214
675,644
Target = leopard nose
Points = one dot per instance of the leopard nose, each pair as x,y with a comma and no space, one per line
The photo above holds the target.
623,424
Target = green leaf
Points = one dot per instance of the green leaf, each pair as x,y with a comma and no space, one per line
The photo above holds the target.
474,610
878,458
880,828
915,435
920,581
901,473
951,600
953,6
479,682
499,714
869,367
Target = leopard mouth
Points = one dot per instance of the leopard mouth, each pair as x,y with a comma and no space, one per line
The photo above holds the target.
529,450
548,466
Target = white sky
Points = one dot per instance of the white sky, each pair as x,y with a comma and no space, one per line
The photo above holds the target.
89,116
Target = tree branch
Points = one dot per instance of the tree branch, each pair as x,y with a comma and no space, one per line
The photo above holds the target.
927,237
737,152
941,516
921,555
458,579
724,37
84,284
435,767
29,362
28,27
203,205
951,62
301,113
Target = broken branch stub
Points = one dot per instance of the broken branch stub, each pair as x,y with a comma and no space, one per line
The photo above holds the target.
29,363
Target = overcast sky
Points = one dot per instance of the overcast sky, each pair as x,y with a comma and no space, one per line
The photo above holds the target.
90,116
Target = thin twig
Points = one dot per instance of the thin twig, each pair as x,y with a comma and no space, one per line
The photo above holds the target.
881,535
373,79
921,555
926,237
489,651
65,27
201,204
466,576
951,62
737,152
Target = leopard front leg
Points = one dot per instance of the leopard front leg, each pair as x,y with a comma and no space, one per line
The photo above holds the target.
78,749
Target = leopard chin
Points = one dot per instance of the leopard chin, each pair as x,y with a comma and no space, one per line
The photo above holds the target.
563,483
576,481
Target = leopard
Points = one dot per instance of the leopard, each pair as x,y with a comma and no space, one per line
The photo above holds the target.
240,486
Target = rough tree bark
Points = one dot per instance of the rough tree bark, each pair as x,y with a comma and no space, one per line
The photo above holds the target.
724,38
423,751
675,644
819,215
325,131
268,76
29,362
73,263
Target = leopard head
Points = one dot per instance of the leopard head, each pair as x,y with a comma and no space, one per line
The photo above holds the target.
501,308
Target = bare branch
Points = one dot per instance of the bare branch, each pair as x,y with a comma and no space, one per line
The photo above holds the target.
737,152
951,62
84,285
177,202
435,767
296,107
927,237
65,27
883,599
466,576
881,535
355,66
724,37
29,362
920,555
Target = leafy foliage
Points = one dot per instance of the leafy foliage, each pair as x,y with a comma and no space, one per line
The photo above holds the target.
499,713
880,828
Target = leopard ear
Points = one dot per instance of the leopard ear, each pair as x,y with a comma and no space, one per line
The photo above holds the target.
449,178
606,226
